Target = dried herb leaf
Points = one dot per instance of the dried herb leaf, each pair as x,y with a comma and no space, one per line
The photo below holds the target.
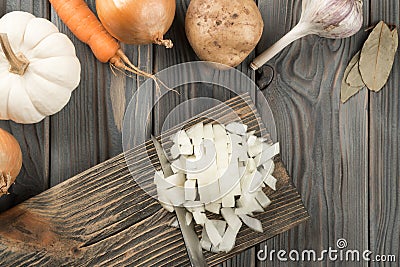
354,78
377,57
395,37
347,90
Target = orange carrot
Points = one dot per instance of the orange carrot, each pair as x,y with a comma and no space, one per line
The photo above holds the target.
86,27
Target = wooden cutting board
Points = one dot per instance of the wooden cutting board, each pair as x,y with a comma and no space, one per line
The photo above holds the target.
103,217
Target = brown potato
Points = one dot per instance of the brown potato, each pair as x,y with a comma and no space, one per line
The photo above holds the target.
223,31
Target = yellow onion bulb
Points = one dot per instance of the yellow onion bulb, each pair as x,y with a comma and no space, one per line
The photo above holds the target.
10,161
137,21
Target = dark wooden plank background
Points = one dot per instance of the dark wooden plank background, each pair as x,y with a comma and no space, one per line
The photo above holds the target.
350,151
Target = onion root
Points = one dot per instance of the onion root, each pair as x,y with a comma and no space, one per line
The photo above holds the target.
5,182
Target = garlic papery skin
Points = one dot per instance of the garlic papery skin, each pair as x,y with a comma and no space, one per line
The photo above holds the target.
326,18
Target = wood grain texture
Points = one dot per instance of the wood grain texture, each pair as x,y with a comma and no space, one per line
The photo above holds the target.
84,133
321,138
350,151
33,139
384,159
103,218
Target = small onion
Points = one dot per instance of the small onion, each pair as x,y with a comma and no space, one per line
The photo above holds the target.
10,161
137,21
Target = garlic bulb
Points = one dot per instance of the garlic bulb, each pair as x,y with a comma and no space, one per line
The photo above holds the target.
326,18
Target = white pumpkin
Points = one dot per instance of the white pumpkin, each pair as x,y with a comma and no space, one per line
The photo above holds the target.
45,86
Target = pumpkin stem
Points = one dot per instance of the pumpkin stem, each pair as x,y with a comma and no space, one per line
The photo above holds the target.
18,62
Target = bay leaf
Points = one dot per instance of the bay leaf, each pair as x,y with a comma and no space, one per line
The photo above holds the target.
354,78
395,37
347,90
377,57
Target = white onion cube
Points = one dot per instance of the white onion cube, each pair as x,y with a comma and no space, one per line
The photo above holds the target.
252,223
213,207
199,217
208,132
237,128
263,199
212,233
231,218
190,190
268,153
271,182
205,241
229,238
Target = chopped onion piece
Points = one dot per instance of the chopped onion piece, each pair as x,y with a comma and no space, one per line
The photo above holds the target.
174,224
167,207
231,218
163,197
229,238
263,199
213,233
160,181
255,149
251,140
239,211
178,165
267,153
252,223
199,217
242,168
228,201
256,182
220,225
249,202
205,240
196,133
219,131
245,182
176,195
251,165
215,249
237,190
176,180
229,147
186,150
188,218
268,168
243,152
175,170
213,207
208,132
181,138
194,206
175,151
208,184
202,161
248,134
190,190
271,182
221,147
237,128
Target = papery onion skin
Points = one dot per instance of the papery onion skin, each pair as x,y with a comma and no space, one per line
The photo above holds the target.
10,160
137,21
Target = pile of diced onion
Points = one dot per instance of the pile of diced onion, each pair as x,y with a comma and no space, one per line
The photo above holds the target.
222,170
